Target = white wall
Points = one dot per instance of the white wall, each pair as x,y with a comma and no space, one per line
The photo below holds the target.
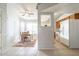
10,26
12,23
0,28
3,18
74,33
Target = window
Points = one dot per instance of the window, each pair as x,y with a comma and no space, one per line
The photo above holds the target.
46,20
22,26
64,29
31,27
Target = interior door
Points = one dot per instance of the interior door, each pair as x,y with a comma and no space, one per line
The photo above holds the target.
45,30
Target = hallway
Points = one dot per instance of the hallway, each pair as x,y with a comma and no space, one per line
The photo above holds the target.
60,50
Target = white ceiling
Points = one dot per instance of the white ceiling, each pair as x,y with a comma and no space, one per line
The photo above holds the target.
58,8
44,6
63,9
62,6
31,7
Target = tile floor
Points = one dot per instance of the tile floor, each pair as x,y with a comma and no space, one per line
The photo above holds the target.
0,51
60,50
22,51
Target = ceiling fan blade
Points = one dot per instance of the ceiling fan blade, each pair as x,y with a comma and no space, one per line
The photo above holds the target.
31,13
23,14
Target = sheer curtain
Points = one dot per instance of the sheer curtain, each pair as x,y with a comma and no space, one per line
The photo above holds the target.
29,26
22,26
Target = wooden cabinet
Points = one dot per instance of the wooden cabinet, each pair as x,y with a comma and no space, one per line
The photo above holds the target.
72,28
58,24
74,16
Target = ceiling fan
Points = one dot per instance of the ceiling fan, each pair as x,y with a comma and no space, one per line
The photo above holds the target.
27,12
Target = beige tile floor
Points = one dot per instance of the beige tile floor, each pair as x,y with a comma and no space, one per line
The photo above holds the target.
60,50
0,51
22,51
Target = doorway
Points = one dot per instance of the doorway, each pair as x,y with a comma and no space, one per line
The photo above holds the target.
28,33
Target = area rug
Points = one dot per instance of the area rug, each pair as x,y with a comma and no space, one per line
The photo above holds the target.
25,44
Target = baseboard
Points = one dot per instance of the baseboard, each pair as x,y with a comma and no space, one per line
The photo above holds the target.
63,43
46,48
